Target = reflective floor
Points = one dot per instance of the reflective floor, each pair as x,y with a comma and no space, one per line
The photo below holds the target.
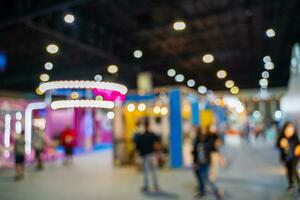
254,173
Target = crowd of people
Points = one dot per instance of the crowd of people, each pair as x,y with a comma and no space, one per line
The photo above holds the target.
39,145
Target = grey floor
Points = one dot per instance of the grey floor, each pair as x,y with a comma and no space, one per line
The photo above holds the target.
254,174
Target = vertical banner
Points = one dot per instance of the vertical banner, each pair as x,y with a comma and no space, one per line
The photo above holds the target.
195,112
176,157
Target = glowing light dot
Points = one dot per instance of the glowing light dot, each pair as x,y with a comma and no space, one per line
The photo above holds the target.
263,82
179,25
179,78
44,77
164,110
52,48
267,59
137,53
235,90
48,65
99,98
156,110
98,78
74,95
191,83
270,33
221,74
202,89
141,107
208,58
229,84
130,107
171,72
69,18
112,69
38,92
269,65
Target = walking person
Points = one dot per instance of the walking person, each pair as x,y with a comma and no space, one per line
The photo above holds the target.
67,139
146,145
289,146
19,152
202,150
38,141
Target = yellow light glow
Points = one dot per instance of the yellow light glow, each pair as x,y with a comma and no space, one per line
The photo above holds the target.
208,58
234,90
99,98
221,74
141,107
130,107
164,110
229,84
112,69
52,48
44,77
179,26
156,109
38,92
74,95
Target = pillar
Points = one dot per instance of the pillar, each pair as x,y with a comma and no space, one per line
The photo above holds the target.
176,158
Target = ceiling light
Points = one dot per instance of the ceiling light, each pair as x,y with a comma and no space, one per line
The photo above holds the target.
267,59
208,58
171,72
179,78
48,65
52,48
202,89
179,26
141,107
112,69
221,74
137,53
263,82
270,33
265,74
130,107
44,77
191,83
156,110
98,78
269,66
69,18
235,90
229,84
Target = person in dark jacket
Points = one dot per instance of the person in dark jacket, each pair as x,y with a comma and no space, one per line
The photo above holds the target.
203,147
289,146
146,145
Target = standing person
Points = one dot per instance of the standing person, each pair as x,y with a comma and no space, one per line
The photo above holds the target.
38,141
216,157
19,156
146,145
67,139
289,146
202,160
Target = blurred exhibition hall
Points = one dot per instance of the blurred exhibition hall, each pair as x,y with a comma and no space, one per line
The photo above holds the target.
149,99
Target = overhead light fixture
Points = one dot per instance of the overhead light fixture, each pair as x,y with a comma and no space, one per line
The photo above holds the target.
112,69
82,85
221,74
52,48
130,107
235,90
171,72
191,83
202,89
69,18
270,33
164,111
229,84
48,65
265,74
263,82
44,77
98,78
81,104
179,78
179,25
208,58
142,107
137,53
156,110
269,65
267,59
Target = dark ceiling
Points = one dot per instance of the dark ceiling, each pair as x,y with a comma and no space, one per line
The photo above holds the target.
108,31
